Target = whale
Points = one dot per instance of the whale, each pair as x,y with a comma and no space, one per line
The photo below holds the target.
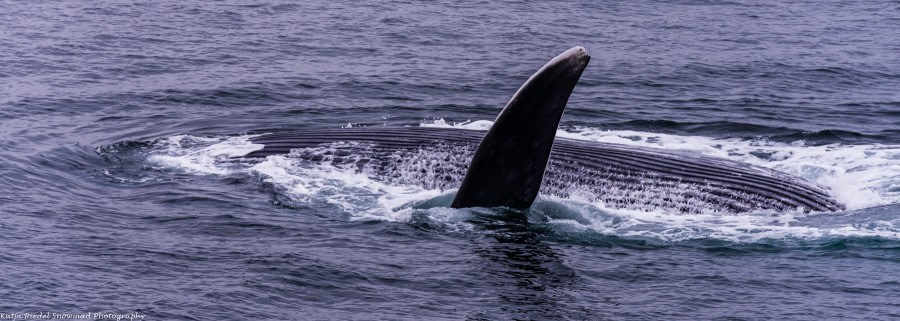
520,157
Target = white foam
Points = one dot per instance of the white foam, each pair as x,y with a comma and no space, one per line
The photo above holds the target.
676,227
471,125
354,192
202,155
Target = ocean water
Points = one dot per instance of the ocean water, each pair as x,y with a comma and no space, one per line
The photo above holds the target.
118,120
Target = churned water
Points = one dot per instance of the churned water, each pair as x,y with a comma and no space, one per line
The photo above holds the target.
118,118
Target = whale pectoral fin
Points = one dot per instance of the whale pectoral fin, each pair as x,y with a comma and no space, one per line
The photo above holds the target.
509,164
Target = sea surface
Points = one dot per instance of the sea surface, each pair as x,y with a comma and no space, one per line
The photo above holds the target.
118,196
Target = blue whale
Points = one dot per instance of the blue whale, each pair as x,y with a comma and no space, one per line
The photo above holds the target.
520,157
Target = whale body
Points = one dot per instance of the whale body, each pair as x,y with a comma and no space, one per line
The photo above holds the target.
619,176
520,157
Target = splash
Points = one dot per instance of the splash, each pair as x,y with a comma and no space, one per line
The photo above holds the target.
662,227
202,155
354,192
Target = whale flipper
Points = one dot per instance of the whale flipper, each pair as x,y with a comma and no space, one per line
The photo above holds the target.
509,163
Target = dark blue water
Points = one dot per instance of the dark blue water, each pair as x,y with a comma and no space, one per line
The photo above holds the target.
115,198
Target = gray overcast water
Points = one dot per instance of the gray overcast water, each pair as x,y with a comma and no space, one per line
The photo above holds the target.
114,114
